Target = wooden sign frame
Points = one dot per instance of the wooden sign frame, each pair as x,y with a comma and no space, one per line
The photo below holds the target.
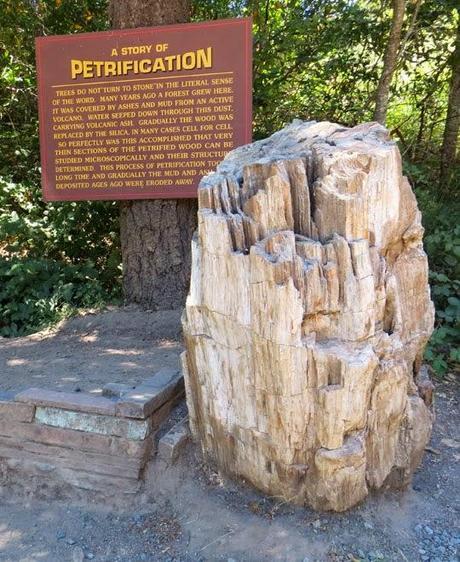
142,113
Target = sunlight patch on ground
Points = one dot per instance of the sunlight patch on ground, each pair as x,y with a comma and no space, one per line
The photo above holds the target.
96,391
17,362
123,352
89,338
168,343
8,535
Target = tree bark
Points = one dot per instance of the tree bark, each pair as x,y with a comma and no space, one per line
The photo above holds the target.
452,127
389,61
155,234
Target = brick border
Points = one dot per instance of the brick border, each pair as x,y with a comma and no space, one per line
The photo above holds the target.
99,443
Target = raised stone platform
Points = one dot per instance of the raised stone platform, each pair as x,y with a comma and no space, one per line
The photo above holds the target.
99,443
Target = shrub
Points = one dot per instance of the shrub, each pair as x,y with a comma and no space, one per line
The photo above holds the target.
442,244
35,293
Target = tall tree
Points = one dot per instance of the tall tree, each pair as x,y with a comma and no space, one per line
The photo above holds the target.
390,59
155,234
452,126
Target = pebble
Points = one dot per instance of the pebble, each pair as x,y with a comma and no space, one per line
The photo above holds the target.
60,535
70,542
436,545
77,554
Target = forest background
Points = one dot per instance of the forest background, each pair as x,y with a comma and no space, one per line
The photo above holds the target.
348,61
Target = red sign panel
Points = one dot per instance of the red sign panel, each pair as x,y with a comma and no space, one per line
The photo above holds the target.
142,113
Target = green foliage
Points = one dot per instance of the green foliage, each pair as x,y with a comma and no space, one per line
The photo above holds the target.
322,60
75,233
36,293
20,22
55,257
443,247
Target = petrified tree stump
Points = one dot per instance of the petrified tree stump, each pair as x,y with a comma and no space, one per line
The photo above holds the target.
308,312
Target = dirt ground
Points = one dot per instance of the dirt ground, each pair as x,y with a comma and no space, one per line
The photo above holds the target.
123,345
187,512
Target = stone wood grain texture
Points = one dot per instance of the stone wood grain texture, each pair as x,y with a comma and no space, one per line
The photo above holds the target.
308,313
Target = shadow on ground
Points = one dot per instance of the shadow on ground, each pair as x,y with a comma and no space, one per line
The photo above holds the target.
123,345
188,513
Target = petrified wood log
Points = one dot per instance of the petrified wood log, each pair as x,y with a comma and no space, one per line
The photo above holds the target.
308,313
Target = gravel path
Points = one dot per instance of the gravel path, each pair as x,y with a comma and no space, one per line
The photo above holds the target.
189,514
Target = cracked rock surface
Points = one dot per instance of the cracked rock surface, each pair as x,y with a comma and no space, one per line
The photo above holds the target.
308,313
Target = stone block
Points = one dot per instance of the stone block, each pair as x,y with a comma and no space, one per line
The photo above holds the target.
80,402
78,440
110,486
15,411
135,430
160,415
70,458
173,442
145,399
44,476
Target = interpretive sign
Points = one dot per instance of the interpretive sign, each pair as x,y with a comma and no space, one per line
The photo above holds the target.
142,113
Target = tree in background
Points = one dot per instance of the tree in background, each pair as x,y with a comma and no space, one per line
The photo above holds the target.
452,126
57,257
313,59
155,234
389,61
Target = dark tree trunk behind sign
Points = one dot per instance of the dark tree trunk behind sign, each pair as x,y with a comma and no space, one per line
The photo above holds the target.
389,61
452,127
155,234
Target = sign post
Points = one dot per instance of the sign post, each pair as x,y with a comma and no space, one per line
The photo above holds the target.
142,113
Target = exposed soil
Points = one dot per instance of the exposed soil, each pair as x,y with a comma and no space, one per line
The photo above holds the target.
188,512
123,345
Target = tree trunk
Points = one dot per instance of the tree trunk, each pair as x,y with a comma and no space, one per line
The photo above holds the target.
452,127
389,61
155,234
302,376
